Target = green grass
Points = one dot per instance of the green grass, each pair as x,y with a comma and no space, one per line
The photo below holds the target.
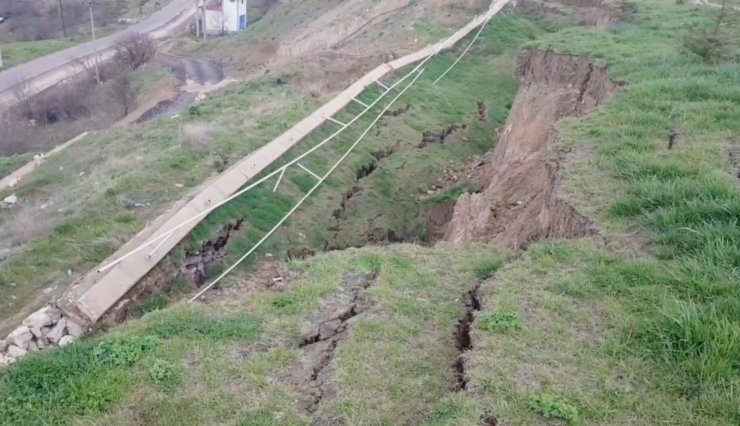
641,330
552,407
16,53
89,377
663,337
235,360
94,183
501,322
10,164
452,194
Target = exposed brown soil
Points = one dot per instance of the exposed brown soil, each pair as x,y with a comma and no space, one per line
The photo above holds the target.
521,203
193,271
429,137
437,218
268,275
734,152
323,334
398,111
484,111
463,340
598,13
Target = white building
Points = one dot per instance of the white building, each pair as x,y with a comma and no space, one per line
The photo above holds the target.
224,16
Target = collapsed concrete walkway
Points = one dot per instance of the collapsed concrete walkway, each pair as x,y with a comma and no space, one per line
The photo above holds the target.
96,293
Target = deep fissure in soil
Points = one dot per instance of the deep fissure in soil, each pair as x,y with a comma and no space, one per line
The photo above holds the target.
320,344
430,137
173,277
463,339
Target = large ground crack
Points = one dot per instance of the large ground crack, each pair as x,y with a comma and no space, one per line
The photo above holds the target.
321,342
463,340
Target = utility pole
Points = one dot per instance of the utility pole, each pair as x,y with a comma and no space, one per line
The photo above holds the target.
92,31
61,15
205,23
197,19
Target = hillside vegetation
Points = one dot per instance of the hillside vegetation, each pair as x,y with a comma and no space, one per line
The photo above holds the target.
637,323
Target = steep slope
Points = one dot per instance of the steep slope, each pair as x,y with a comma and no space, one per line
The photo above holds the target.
520,204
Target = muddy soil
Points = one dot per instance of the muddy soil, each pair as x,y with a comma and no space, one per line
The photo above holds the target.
734,152
521,202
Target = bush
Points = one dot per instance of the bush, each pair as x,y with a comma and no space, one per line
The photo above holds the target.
712,42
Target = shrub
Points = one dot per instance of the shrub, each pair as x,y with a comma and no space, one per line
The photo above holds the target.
712,42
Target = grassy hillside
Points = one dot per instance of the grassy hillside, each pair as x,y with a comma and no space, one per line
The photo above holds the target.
95,184
639,324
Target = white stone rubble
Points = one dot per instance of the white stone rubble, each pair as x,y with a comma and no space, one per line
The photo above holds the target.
43,329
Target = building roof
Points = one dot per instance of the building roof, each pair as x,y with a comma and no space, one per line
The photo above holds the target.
213,5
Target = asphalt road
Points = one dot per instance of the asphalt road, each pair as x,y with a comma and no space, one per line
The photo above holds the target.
38,67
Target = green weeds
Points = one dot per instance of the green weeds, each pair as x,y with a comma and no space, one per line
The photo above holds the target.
553,407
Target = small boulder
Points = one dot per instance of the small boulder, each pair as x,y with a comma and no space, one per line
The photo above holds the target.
16,352
3,345
33,347
57,332
45,316
42,343
74,329
37,332
66,340
10,200
20,337
6,360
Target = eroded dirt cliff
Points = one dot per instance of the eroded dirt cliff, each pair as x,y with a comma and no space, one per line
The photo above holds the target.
520,203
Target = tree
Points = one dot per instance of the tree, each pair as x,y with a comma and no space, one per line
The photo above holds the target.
135,49
122,88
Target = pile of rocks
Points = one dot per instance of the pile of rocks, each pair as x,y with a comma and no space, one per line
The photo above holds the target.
43,329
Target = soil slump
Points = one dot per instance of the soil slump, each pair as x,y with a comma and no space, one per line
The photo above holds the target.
521,202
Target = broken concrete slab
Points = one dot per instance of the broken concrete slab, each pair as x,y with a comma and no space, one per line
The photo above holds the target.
20,337
57,332
45,316
74,329
15,352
